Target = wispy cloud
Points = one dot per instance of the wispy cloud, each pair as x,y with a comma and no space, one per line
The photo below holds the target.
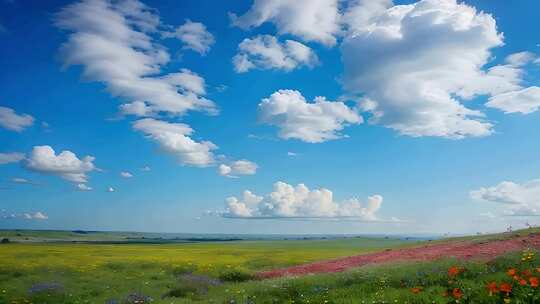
38,215
12,121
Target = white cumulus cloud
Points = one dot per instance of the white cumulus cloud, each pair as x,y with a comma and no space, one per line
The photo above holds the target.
115,43
194,36
12,121
518,199
522,101
416,65
266,52
310,122
288,201
360,14
239,167
311,20
520,58
66,164
83,187
126,174
174,138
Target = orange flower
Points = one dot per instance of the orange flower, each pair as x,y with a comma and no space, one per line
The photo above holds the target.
526,273
534,282
512,272
505,287
522,282
416,290
457,293
453,271
492,288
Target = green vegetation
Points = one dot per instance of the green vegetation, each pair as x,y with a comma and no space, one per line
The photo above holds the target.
167,273
446,281
224,273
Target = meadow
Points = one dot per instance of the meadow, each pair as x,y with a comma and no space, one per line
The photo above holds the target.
223,272
110,273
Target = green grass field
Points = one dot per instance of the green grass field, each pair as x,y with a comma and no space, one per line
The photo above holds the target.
97,273
221,272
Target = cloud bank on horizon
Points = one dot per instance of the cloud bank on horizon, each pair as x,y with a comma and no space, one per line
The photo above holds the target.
299,202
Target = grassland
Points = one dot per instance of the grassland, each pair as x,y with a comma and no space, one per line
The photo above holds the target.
110,273
412,283
222,272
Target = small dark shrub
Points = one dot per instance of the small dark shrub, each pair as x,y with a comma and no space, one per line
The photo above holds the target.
181,292
5,241
17,274
235,276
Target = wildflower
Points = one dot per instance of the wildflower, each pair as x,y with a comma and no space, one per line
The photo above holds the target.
534,282
492,288
511,272
453,271
526,273
416,290
505,287
457,293
522,282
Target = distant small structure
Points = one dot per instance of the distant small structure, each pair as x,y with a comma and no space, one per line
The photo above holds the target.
509,229
5,241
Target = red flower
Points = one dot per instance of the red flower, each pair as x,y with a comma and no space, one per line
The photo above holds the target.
492,288
526,273
505,287
512,272
534,282
457,293
416,290
522,282
453,271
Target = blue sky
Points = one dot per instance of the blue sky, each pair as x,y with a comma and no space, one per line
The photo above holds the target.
429,121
